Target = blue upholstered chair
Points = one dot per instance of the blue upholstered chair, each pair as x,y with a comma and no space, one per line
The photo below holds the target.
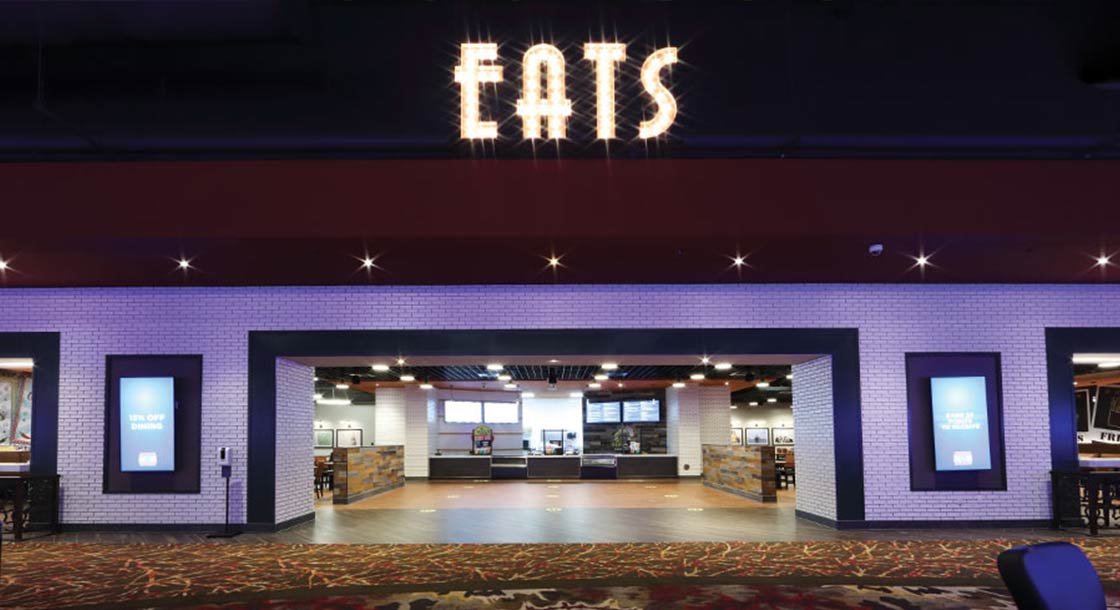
1051,576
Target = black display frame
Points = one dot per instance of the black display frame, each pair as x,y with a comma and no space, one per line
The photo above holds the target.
587,403
920,368
187,476
660,411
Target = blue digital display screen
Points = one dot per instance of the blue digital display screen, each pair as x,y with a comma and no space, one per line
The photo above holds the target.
147,413
960,423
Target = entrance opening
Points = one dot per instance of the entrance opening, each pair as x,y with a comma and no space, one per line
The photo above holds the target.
16,376
573,448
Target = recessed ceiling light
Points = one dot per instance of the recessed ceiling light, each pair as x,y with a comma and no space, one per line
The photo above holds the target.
762,384
408,378
621,385
505,377
602,377
678,384
553,361
922,260
1103,261
696,376
753,403
594,386
610,366
494,367
368,262
380,368
575,395
184,264
734,407
16,363
400,361
705,360
3,265
723,366
510,386
426,386
554,261
771,400
727,383
315,378
1109,365
738,261
790,376
528,395
341,386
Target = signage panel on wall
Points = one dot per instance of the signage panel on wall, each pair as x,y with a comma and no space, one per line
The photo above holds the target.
1102,409
960,423
147,423
604,413
641,411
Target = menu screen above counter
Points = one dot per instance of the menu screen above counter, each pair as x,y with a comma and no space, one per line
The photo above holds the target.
641,411
604,413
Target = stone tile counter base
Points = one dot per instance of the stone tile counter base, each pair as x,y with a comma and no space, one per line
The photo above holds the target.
743,471
361,472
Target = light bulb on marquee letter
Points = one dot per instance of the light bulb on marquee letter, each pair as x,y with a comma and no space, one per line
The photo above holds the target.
469,74
531,108
666,103
605,55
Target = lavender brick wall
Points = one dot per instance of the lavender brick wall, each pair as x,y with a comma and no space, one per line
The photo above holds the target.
295,416
814,449
891,319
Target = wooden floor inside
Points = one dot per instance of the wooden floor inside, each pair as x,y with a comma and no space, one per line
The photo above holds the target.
451,495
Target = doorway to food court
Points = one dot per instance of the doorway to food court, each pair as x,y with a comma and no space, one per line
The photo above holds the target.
591,440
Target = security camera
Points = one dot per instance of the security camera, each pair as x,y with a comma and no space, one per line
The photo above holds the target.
875,249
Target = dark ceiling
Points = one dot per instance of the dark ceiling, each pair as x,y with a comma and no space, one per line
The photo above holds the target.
357,96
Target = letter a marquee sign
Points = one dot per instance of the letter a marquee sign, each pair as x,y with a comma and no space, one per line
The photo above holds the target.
545,111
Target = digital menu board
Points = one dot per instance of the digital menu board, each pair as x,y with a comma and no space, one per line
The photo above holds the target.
641,411
147,417
960,423
604,412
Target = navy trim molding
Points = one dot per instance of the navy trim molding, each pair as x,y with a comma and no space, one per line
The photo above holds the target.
43,348
841,344
1061,345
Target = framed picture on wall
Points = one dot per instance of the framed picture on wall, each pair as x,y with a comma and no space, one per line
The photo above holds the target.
758,436
324,438
349,438
736,436
783,436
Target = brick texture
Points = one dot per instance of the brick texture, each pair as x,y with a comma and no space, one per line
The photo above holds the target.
365,471
814,446
295,416
744,471
891,319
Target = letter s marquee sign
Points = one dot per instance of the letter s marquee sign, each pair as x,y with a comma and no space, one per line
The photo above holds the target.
545,112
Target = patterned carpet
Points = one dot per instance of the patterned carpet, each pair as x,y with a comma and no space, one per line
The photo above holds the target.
48,575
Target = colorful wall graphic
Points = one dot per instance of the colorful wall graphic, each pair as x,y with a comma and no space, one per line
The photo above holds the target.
15,409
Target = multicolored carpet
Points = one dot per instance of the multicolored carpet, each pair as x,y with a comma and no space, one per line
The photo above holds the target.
714,575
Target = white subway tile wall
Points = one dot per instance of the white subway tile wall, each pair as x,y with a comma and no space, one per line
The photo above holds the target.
416,450
715,415
891,319
390,418
295,417
814,449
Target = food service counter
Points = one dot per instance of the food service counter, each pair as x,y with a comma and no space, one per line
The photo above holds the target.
514,466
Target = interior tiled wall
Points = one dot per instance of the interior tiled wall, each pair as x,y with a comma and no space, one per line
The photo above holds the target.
813,440
295,416
891,319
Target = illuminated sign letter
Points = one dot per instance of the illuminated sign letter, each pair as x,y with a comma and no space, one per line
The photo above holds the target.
605,55
531,108
469,74
666,103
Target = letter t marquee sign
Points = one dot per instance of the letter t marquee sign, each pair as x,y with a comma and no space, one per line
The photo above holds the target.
545,113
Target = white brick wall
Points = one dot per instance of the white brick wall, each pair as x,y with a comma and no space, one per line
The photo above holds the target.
814,446
892,320
295,416
417,433
715,415
683,434
389,417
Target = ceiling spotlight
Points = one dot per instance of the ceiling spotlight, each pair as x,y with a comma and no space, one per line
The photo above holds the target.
762,384
602,377
426,386
1109,365
380,368
315,378
184,264
678,384
727,383
705,360
753,403
3,265
554,361
738,261
594,386
554,261
494,367
922,260
400,361
771,400
1103,261
505,377
610,366
790,376
696,376
341,386
407,378
621,385
528,395
723,366
575,395
734,407
367,263
340,402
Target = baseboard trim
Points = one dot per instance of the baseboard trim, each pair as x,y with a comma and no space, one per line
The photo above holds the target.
924,524
825,521
294,521
369,493
743,494
146,527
